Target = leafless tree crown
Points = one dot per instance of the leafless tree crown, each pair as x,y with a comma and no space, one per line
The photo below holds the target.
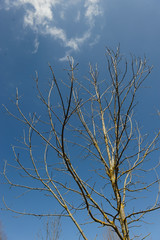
93,148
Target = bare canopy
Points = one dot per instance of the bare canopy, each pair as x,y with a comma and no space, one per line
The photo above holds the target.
94,151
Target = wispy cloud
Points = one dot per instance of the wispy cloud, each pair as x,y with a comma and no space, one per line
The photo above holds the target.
36,45
65,57
78,17
95,41
72,43
37,12
93,10
42,17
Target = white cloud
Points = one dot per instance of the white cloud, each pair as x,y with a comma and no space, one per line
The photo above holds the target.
73,43
36,45
95,41
62,15
78,41
40,16
38,12
92,10
66,56
57,33
78,17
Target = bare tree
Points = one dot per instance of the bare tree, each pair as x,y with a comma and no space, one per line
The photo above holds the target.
52,229
95,120
109,234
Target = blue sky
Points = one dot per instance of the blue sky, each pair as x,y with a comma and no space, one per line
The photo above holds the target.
35,32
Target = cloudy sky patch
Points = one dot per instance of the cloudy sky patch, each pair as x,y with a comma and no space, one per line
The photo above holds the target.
93,10
39,15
